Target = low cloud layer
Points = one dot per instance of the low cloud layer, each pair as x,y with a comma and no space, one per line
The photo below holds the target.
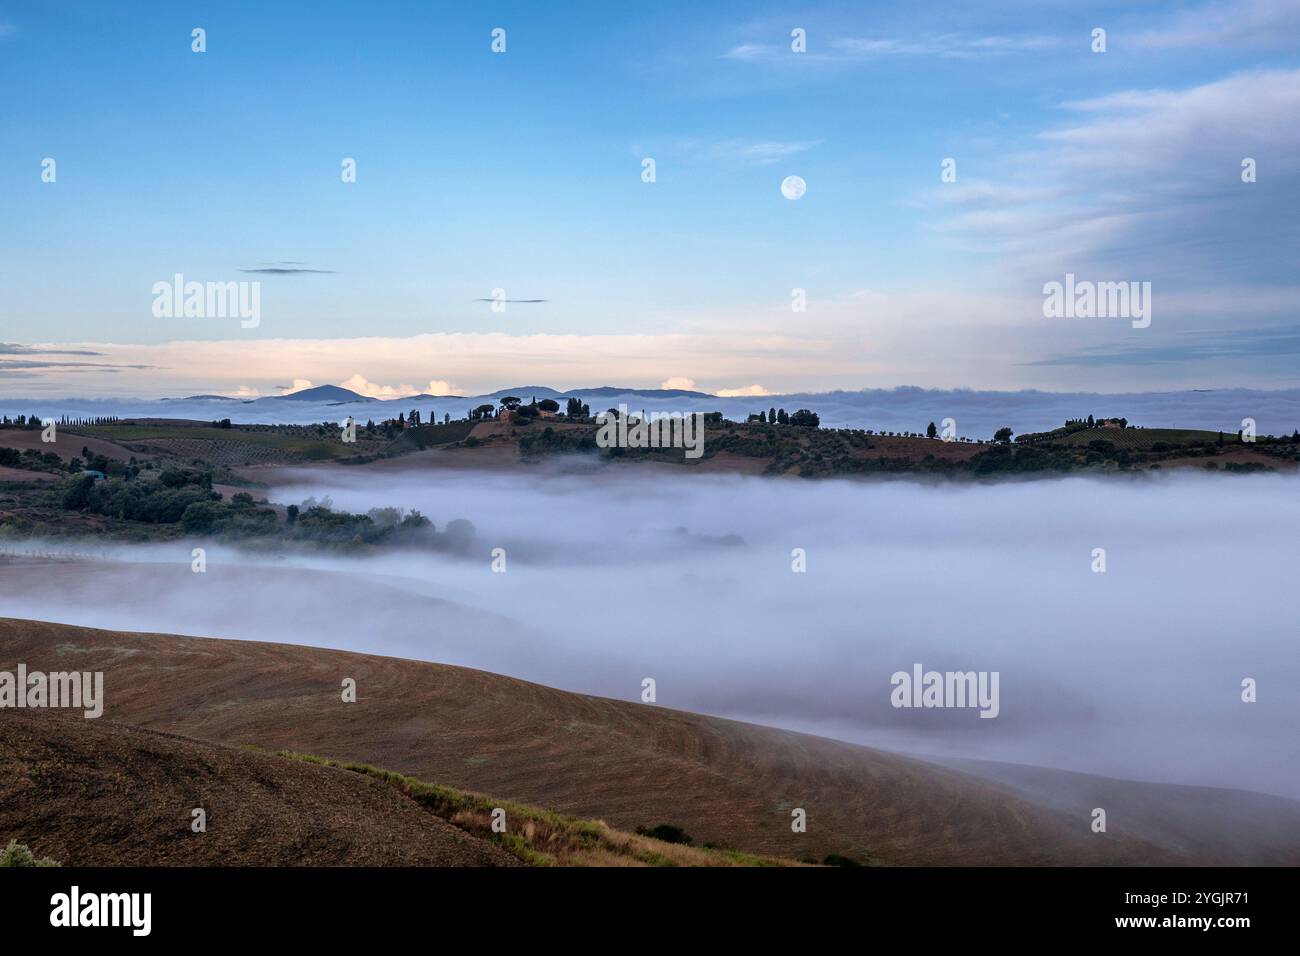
620,574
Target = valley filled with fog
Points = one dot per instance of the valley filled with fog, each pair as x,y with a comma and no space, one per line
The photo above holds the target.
616,574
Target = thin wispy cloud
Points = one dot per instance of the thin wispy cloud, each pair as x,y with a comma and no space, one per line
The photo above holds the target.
734,151
944,45
996,195
8,365
850,49
759,153
1133,175
287,271
1250,23
1200,346
13,348
748,51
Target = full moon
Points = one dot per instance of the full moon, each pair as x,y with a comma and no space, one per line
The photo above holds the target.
793,187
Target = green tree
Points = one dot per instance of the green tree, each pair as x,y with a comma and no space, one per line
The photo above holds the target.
76,493
199,517
806,418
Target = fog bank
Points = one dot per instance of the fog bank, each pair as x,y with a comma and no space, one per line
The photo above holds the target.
628,573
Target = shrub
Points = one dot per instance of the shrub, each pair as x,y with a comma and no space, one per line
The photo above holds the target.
667,833
180,477
198,517
76,493
17,854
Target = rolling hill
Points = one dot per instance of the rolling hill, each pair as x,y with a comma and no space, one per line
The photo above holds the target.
726,783
100,793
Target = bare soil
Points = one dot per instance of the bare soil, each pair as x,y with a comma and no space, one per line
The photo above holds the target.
727,783
101,793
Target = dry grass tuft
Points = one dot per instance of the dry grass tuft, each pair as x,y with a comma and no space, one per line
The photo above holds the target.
544,838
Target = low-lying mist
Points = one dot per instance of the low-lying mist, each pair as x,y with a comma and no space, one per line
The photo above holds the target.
623,573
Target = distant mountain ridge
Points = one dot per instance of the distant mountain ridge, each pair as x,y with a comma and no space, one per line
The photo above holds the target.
976,413
320,393
337,393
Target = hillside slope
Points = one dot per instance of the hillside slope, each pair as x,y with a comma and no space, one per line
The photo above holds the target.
1249,828
101,793
724,782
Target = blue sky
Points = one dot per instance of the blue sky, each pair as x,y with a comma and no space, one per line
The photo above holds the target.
522,171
